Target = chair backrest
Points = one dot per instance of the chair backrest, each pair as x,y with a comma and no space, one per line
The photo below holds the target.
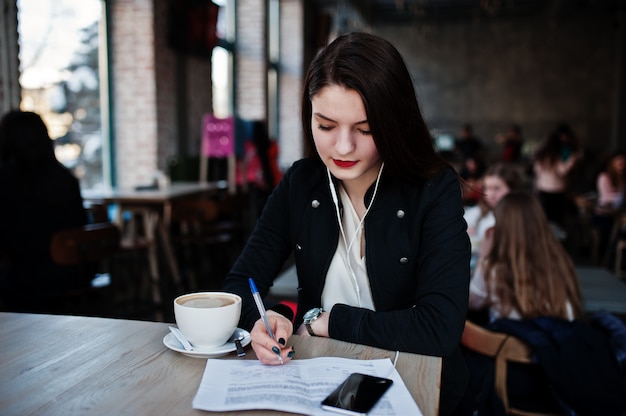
194,211
98,212
503,348
90,243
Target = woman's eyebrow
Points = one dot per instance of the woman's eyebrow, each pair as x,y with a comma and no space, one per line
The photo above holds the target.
330,119
323,116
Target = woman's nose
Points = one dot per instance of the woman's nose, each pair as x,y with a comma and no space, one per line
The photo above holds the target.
345,143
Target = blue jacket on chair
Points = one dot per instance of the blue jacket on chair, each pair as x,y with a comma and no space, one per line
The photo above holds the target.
581,361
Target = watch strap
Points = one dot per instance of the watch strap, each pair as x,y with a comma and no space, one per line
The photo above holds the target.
309,329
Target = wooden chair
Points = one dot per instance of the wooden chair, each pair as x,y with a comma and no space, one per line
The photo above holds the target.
86,247
90,243
97,212
503,348
201,236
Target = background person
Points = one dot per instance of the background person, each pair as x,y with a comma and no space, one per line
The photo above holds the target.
512,143
469,146
610,185
499,179
373,216
40,196
554,159
472,173
526,273
528,283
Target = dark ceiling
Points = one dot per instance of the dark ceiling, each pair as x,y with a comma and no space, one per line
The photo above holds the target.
406,11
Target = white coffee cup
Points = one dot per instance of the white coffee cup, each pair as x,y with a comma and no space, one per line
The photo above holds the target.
207,319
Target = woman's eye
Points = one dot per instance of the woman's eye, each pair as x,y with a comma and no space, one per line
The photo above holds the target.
323,127
365,132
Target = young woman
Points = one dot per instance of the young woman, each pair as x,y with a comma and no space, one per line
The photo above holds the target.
373,216
610,184
498,180
526,273
554,160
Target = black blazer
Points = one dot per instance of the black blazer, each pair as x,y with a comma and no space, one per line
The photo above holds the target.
417,256
30,213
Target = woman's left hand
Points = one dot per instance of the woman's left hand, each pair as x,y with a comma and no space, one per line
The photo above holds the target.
319,326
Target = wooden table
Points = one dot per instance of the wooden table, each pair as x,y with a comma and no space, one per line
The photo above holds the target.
601,290
161,198
155,209
68,365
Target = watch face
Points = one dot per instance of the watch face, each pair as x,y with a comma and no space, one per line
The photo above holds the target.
313,313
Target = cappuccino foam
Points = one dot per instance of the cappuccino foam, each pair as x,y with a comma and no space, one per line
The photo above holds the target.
207,302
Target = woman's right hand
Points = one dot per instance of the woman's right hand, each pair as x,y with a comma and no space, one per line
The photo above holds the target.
267,349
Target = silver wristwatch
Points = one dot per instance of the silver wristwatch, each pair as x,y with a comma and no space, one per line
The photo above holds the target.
310,317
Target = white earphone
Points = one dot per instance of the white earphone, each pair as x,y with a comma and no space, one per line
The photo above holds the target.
333,193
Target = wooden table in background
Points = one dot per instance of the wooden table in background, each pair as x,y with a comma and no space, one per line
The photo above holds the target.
155,208
601,290
68,365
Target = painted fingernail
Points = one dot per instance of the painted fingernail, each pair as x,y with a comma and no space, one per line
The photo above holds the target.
291,353
276,350
281,341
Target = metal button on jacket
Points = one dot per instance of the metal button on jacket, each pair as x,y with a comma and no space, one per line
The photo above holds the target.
404,260
400,213
315,203
298,247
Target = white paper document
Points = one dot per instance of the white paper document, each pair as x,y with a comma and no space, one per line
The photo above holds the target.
299,386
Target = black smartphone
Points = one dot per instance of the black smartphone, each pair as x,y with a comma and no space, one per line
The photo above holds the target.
357,394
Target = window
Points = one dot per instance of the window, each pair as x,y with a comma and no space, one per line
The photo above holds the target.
222,61
273,57
59,75
221,77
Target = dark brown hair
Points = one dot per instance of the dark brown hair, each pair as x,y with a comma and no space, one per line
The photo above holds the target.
509,174
24,139
25,143
618,179
374,68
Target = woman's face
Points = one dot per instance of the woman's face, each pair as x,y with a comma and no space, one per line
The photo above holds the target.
342,135
618,162
495,188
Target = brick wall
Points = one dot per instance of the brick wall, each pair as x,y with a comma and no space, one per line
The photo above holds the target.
250,57
159,95
290,81
154,87
134,91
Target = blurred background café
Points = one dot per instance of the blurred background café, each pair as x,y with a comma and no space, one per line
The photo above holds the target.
179,117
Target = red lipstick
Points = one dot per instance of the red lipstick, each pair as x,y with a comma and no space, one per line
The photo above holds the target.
344,163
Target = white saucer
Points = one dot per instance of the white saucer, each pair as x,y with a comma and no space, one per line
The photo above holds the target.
172,343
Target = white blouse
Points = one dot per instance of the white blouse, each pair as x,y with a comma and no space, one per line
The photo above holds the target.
346,279
477,225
